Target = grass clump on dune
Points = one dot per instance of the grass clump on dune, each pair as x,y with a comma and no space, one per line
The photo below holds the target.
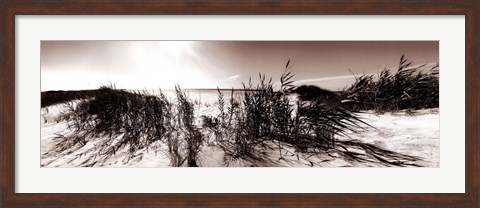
265,115
408,88
122,120
186,123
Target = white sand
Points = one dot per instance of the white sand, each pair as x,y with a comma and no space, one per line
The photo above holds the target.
411,135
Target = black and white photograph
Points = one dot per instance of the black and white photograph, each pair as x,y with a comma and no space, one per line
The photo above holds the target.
233,103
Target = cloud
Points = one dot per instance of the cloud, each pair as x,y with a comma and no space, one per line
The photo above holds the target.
351,77
326,79
230,78
342,81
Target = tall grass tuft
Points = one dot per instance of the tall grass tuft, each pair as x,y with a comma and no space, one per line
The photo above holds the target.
408,88
266,115
118,119
191,134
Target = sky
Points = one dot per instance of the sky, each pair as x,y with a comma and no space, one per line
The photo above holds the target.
137,65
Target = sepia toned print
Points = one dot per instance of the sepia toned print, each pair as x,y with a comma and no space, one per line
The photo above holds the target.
240,104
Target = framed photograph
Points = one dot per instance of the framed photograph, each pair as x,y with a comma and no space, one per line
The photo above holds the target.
167,104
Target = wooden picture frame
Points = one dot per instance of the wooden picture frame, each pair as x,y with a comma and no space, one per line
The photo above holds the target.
9,9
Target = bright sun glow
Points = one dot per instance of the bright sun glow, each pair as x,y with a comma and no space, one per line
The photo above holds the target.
167,64
176,48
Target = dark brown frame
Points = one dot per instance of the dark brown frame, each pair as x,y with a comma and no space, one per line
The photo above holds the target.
8,10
